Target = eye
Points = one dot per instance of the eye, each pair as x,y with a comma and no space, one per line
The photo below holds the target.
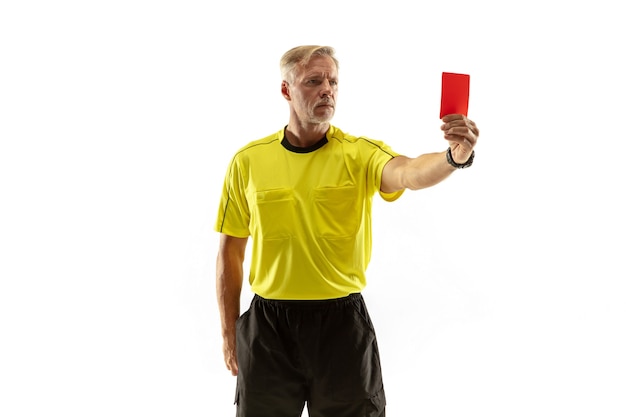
334,82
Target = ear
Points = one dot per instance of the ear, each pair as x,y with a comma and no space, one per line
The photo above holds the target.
284,89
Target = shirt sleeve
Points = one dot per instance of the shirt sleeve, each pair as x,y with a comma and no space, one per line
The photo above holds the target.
380,156
233,216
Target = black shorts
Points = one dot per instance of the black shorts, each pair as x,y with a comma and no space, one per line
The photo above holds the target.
319,353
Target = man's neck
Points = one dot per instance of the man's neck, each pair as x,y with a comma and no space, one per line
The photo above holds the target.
302,136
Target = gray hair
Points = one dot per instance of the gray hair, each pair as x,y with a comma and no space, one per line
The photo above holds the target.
300,55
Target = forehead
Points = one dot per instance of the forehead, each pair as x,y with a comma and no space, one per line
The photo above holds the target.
321,64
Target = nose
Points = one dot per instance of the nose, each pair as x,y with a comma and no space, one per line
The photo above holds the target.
326,89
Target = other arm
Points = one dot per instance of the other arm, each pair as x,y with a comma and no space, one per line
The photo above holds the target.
228,285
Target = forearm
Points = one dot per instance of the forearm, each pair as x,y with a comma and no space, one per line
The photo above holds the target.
427,170
416,173
228,299
229,278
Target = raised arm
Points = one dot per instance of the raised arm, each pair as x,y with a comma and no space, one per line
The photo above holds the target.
429,169
228,285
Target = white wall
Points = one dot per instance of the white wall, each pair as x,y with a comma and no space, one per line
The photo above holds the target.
497,293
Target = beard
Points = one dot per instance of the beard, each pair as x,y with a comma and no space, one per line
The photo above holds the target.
322,112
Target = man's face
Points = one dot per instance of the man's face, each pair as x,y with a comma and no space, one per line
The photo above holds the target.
313,92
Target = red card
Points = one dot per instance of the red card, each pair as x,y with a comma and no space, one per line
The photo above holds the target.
454,93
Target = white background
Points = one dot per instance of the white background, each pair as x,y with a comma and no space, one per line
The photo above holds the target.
500,292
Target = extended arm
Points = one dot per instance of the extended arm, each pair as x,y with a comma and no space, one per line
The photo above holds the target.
228,285
429,169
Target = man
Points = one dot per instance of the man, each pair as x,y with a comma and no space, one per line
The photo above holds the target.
304,196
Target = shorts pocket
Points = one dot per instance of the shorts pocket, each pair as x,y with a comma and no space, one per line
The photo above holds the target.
355,362
242,318
376,405
362,316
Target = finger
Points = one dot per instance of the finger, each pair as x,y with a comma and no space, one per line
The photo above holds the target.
464,131
450,117
234,367
461,141
461,122
467,140
466,123
472,126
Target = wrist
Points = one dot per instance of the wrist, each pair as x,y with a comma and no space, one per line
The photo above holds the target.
457,165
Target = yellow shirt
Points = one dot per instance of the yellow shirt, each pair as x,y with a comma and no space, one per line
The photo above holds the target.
308,211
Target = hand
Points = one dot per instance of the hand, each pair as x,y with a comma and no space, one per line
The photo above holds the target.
462,135
230,355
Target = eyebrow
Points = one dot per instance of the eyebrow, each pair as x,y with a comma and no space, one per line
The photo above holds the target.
320,75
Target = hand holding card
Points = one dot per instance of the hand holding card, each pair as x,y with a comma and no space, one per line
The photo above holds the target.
454,93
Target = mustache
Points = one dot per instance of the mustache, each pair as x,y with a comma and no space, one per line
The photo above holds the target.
325,101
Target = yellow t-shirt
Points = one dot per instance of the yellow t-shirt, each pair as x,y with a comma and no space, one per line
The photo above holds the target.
308,212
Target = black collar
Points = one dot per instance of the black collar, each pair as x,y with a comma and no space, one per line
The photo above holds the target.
287,145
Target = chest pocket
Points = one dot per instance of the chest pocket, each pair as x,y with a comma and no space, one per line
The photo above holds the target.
337,213
275,213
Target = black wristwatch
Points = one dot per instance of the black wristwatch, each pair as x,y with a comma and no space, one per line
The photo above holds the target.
467,163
